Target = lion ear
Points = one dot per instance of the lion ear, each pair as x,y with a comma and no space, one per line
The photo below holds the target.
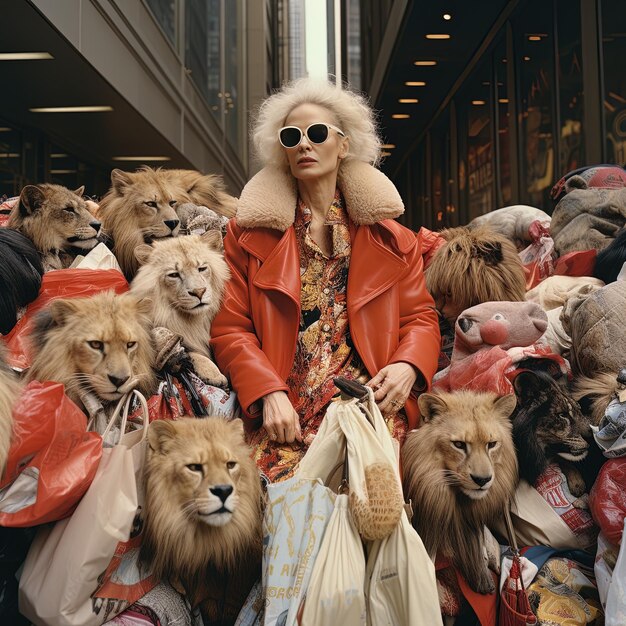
31,199
120,180
80,191
143,252
527,385
236,425
144,306
214,239
61,310
160,434
431,405
506,405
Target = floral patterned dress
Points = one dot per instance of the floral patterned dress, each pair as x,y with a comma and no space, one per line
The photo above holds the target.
324,349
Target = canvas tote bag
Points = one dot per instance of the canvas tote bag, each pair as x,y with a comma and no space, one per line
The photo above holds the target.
65,561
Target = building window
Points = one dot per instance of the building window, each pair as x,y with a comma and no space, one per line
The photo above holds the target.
503,117
164,12
535,61
202,50
232,75
614,52
570,74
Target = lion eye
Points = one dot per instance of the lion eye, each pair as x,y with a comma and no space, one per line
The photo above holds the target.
173,275
96,345
152,204
231,464
195,467
459,444
131,344
492,444
69,209
203,268
172,203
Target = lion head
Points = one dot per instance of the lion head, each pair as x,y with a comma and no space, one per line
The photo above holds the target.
460,470
99,344
203,499
184,279
548,423
54,218
473,266
138,208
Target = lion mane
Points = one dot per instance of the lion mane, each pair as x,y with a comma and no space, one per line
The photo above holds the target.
9,390
474,265
99,344
202,508
460,470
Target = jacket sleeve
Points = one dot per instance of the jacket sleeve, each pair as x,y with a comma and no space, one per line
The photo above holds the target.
420,339
236,347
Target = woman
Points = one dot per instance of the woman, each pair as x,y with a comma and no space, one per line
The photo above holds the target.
324,282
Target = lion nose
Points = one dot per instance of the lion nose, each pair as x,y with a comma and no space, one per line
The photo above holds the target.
197,292
221,491
95,225
481,481
118,382
171,224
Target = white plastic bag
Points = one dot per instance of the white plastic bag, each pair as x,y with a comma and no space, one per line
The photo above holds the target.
615,614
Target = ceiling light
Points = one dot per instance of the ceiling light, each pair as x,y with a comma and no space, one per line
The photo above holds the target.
24,56
415,83
58,155
78,109
385,154
140,158
437,36
400,116
447,17
534,38
388,146
9,155
408,100
5,129
503,100
424,63
478,102
63,171
526,58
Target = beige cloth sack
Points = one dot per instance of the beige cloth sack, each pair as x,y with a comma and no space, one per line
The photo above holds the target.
65,560
99,258
336,590
555,291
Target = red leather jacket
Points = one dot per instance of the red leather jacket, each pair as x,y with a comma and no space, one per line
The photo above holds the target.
391,315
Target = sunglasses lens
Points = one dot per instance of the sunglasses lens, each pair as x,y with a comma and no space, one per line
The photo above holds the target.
290,137
318,133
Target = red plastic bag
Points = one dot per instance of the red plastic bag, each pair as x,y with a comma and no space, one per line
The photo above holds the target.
52,459
607,499
58,284
578,263
537,257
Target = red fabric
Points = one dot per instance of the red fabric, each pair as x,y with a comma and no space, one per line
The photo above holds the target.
514,605
607,499
58,284
431,242
50,442
578,263
391,314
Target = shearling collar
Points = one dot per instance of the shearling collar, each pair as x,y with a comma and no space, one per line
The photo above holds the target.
269,198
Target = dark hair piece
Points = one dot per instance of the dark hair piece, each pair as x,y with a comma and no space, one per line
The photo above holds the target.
20,275
610,260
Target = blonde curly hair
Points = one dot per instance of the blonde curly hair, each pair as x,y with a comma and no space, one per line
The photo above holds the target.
353,113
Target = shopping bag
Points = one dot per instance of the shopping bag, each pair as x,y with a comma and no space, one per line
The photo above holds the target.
52,459
295,518
615,614
336,589
400,580
67,563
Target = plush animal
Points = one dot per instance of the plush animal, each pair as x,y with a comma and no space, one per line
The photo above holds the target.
99,344
183,282
57,221
587,218
475,265
548,423
9,390
609,261
206,190
513,222
20,277
460,471
139,208
202,528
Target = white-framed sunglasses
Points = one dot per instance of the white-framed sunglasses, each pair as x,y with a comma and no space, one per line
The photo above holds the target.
291,136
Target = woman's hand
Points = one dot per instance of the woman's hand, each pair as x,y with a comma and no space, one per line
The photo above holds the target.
280,420
392,386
